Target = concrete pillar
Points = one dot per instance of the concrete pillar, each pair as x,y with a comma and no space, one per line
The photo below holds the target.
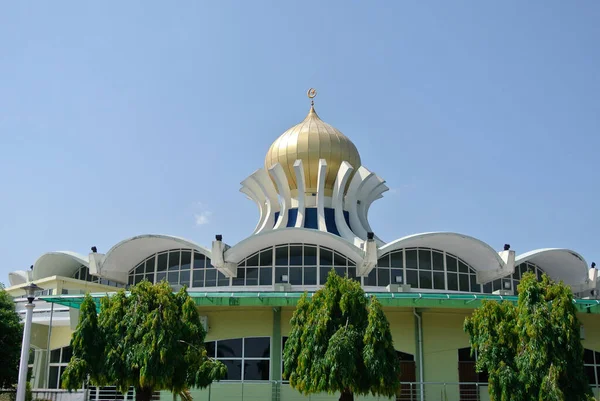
25,352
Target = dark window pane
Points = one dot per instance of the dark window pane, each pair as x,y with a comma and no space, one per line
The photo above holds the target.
184,278
137,279
487,288
310,276
234,369
438,261
53,381
411,259
351,263
462,267
296,275
138,270
266,257
591,374
130,281
229,348
339,260
341,271
211,278
266,275
326,257
463,281
241,277
496,285
383,277
412,278
160,277
452,281
222,279
396,260
150,265
352,273
538,273
198,278
173,278
198,260
66,354
588,356
451,263
210,349
174,260
296,255
252,276
425,279
438,281
256,370
55,356
209,264
186,260
310,256
282,275
464,355
397,276
424,259
474,286
323,273
259,347
150,277
281,256
372,278
162,262
384,261
252,260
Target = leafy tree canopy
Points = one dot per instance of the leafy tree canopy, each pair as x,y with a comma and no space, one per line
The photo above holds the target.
151,339
11,335
531,351
340,341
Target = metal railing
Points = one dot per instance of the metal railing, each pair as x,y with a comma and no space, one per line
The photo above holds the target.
57,395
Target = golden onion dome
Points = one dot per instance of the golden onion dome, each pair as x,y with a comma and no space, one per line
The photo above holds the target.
312,140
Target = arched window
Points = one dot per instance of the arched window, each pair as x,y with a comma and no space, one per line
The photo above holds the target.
424,268
247,359
178,267
511,283
591,362
296,264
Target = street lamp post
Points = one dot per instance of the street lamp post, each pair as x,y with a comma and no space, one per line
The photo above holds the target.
30,290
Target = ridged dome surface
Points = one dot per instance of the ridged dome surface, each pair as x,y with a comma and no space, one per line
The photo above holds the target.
309,141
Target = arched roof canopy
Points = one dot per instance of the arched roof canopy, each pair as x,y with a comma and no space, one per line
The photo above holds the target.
18,277
292,235
128,253
474,252
558,263
61,263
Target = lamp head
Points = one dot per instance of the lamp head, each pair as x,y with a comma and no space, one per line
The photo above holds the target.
506,247
219,237
30,291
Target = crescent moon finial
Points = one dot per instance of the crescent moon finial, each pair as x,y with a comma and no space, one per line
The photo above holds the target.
312,92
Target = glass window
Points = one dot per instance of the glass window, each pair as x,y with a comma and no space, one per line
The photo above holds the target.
425,279
451,263
184,278
252,260
296,255
323,273
384,261
463,282
234,369
266,275
397,276
173,278
67,353
266,257
282,275
425,260
211,278
186,260
326,258
162,262
55,356
372,278
397,260
229,348
462,267
256,370
383,277
252,276
310,256
150,265
174,260
295,276
339,260
198,260
210,349
222,280
310,276
281,256
257,347
411,259
452,281
438,261
438,281
241,277
412,278
198,278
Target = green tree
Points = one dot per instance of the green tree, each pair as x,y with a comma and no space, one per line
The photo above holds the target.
531,351
340,341
11,335
151,339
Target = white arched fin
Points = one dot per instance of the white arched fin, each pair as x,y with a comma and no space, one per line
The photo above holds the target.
299,169
364,196
263,181
359,179
337,201
321,195
285,195
247,189
377,193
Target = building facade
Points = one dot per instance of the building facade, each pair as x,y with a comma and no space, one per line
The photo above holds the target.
313,197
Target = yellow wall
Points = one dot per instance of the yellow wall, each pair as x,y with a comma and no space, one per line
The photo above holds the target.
238,322
39,336
61,337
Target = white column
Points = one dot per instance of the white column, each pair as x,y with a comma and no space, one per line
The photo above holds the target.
25,352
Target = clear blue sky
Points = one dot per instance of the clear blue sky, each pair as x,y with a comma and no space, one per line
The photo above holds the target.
126,118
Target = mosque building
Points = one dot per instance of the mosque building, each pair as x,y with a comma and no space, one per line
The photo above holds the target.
313,196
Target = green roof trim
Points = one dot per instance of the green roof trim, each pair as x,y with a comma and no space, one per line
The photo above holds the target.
405,299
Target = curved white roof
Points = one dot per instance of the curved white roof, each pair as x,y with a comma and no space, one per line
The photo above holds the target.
60,263
128,253
560,264
292,235
476,253
18,277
